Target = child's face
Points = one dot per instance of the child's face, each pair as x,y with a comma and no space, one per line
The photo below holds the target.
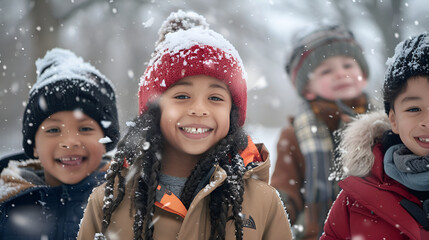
337,77
67,144
410,117
195,114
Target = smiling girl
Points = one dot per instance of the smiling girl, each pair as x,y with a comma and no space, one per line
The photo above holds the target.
194,173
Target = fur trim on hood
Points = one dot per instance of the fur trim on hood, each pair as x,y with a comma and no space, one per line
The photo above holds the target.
354,151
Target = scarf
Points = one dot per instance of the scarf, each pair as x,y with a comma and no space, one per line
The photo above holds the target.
316,144
406,168
314,125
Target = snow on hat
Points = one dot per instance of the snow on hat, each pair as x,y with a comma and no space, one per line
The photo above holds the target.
311,49
411,59
187,47
66,83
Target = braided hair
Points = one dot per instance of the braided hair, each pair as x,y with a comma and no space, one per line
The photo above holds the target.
142,148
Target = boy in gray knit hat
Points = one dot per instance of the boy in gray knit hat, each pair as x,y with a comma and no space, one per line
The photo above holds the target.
329,72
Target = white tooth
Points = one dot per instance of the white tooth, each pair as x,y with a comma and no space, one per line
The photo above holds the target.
424,139
196,130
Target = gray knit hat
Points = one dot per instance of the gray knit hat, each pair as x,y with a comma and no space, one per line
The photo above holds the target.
311,49
411,59
66,83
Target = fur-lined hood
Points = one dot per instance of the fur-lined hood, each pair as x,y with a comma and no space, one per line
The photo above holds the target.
19,176
357,142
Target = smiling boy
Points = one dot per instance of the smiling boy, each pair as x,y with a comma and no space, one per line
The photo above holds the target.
385,155
67,145
69,123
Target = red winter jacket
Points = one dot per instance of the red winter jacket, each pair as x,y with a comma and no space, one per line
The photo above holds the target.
369,207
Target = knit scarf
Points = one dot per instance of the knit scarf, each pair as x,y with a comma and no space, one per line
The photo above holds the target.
407,168
314,125
316,144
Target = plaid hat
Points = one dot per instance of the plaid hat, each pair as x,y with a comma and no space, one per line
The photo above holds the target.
66,83
311,49
186,48
411,59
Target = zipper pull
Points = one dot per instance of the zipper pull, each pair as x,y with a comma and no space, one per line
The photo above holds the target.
64,196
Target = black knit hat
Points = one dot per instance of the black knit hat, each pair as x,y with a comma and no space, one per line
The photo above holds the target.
66,83
411,59
310,49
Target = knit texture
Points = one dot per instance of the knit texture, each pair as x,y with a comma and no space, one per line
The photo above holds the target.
411,59
311,49
189,48
66,83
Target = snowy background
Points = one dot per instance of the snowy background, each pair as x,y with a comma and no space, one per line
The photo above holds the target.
117,37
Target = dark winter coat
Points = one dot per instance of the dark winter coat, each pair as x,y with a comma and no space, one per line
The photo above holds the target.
369,206
30,209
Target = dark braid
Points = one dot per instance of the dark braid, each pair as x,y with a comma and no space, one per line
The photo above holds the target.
226,154
237,191
215,210
149,160
142,148
152,182
115,170
140,198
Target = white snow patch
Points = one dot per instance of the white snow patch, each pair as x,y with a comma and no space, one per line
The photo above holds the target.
106,124
105,140
130,124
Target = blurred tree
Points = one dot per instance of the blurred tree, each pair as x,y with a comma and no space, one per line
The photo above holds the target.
118,38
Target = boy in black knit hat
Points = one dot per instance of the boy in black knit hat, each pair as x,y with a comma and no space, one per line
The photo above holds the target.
69,123
385,157
329,71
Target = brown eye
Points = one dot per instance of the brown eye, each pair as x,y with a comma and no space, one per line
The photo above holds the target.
53,130
326,71
182,97
216,98
413,109
348,65
86,129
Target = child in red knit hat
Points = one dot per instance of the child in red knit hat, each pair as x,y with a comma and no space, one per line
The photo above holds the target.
193,172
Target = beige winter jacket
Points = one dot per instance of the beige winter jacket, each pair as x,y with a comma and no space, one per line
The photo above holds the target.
264,214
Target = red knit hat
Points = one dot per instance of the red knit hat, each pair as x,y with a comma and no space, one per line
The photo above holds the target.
187,48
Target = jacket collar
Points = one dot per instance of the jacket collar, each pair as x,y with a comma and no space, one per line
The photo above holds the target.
24,176
331,114
256,154
361,154
358,140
